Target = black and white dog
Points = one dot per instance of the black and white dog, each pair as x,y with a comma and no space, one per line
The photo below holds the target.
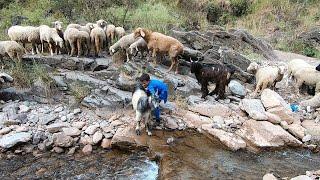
143,105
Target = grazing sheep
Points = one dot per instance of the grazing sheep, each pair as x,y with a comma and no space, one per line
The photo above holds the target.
51,36
101,23
139,45
218,74
110,33
119,32
58,26
294,65
143,105
266,76
309,77
25,34
318,68
97,37
12,49
123,43
76,38
160,43
88,27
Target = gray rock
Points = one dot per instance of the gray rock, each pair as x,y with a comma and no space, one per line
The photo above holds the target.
71,131
10,140
254,108
62,140
47,118
236,88
38,137
91,129
101,63
23,108
52,128
97,136
125,83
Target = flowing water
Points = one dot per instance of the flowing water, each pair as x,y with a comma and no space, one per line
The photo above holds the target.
190,156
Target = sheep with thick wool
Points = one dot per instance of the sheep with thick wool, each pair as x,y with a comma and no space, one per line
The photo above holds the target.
309,77
123,43
139,45
88,27
101,23
50,36
98,38
294,65
25,34
161,44
13,49
266,76
119,32
110,34
76,39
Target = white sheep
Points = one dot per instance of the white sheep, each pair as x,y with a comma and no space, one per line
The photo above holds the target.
293,66
76,39
123,43
266,76
101,23
119,32
50,36
110,33
88,27
139,45
98,38
12,49
25,34
309,77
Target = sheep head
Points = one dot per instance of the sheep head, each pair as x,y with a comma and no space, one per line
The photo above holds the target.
253,67
195,67
57,25
101,23
90,26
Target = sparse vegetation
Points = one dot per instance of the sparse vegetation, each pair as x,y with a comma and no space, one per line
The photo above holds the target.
79,90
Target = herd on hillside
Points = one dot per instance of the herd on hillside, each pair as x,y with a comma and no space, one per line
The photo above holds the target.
80,40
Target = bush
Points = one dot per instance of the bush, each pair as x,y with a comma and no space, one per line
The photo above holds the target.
214,12
240,7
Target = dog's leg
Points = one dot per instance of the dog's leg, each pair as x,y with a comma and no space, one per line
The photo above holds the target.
138,120
147,123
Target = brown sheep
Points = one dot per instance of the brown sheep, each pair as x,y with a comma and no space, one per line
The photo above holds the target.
160,43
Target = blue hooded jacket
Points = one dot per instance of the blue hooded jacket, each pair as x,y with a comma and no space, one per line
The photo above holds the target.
156,87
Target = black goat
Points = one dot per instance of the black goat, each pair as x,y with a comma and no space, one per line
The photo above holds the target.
218,74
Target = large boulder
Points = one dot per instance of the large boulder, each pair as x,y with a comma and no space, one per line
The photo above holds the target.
263,134
9,140
193,120
211,110
254,108
126,138
275,104
231,140
311,37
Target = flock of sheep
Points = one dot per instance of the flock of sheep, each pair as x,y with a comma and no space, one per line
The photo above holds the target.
81,39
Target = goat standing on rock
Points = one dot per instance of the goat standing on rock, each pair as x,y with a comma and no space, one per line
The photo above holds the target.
219,74
161,44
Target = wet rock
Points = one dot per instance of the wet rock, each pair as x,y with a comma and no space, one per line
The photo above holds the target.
126,138
106,143
92,129
9,140
297,130
263,134
232,141
254,108
56,127
97,136
236,88
71,131
170,122
193,120
269,176
62,140
87,149
58,150
211,110
78,124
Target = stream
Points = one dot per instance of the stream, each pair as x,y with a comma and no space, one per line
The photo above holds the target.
189,156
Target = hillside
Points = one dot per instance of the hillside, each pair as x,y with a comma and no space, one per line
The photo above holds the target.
279,22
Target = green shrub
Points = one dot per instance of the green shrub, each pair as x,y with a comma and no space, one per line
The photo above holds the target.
240,7
214,12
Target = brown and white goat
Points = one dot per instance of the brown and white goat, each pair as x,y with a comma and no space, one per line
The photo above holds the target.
218,74
161,44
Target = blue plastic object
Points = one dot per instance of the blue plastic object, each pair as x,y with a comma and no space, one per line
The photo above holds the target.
294,107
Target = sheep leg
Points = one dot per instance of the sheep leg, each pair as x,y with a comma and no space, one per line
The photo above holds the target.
258,86
72,49
138,120
298,85
148,125
176,65
79,47
172,64
42,44
50,48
